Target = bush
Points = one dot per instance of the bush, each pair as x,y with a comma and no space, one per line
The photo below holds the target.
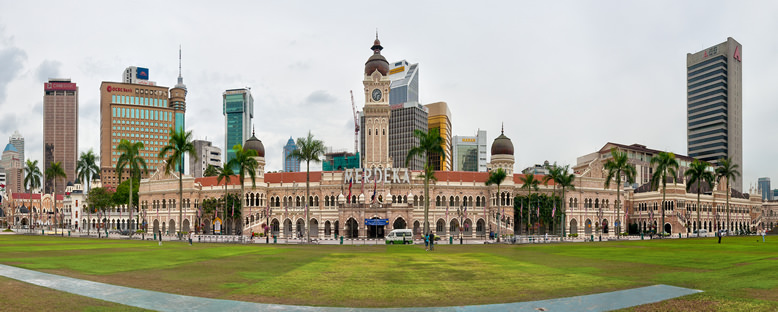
572,235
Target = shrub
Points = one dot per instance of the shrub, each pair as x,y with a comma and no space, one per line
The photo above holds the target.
572,235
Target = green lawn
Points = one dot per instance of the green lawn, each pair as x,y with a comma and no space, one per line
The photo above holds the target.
736,275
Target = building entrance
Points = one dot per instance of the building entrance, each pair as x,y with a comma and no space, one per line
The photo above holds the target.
375,231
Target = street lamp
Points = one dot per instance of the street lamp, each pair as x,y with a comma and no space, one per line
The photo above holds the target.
268,211
459,212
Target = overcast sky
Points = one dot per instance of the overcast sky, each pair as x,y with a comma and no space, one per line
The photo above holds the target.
564,77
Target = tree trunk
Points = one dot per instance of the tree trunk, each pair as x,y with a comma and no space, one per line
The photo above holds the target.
181,200
307,198
130,206
664,193
698,209
425,226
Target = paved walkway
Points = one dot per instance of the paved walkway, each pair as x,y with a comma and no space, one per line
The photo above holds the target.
170,302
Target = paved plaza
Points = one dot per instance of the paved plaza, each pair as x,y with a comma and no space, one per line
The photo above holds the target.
171,302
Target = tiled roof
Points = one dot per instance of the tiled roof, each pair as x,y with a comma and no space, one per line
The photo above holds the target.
464,176
517,179
291,177
641,149
26,196
212,181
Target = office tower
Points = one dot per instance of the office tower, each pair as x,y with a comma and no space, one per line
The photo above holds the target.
206,155
136,112
17,140
440,117
60,129
238,110
339,160
137,75
470,152
764,189
714,104
14,172
405,82
291,164
405,118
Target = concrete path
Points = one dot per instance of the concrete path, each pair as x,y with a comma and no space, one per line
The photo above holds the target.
170,302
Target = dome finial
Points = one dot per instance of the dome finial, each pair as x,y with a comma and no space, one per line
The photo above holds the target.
502,128
376,33
253,130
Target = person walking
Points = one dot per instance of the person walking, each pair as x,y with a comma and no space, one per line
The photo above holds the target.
190,238
426,242
763,233
718,234
160,238
432,241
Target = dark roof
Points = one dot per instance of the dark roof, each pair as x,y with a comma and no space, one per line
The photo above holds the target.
256,145
502,145
642,149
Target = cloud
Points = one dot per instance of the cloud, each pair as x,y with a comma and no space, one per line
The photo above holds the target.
48,69
320,96
11,61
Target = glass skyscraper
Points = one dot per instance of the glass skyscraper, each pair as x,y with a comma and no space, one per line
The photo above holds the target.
470,152
238,110
291,164
764,189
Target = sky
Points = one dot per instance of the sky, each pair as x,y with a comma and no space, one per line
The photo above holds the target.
564,77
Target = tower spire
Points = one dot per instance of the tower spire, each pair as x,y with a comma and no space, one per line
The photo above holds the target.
180,83
502,128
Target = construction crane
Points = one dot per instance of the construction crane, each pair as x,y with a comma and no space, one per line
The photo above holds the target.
356,123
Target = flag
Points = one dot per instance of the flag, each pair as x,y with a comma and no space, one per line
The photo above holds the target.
350,181
553,211
363,181
233,208
375,184
446,212
465,212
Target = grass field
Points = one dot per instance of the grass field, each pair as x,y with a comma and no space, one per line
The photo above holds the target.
738,275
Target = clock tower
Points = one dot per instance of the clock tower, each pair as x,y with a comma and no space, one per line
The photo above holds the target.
375,127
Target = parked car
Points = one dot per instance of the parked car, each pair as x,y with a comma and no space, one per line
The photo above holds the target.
400,236
701,232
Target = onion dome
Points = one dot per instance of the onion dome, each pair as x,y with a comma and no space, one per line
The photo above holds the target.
502,145
70,183
254,144
376,61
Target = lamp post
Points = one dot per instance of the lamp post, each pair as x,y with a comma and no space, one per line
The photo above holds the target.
268,211
599,221
459,213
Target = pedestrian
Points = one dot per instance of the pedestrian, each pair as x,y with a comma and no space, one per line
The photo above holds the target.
718,234
160,238
763,233
426,242
190,238
546,237
432,241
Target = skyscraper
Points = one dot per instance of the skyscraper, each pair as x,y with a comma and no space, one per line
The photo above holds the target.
407,114
136,112
17,140
764,189
440,117
238,110
60,129
206,155
405,82
714,104
12,166
291,164
470,152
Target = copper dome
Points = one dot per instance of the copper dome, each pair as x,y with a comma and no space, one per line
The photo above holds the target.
256,145
376,61
502,145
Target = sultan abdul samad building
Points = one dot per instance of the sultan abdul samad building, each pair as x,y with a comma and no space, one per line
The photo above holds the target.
342,202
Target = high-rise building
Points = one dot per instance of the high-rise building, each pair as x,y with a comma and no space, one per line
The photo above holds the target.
137,112
405,118
405,82
206,155
17,140
714,104
60,129
291,164
470,152
339,160
238,110
137,75
764,189
440,117
376,112
12,166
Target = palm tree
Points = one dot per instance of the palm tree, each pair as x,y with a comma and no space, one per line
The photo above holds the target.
55,172
130,157
225,174
179,144
565,182
666,167
87,168
697,173
554,172
246,164
496,177
616,166
727,170
529,183
32,178
210,171
429,143
308,149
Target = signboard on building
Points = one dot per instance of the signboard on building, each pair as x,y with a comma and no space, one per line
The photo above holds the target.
376,221
142,73
59,86
397,70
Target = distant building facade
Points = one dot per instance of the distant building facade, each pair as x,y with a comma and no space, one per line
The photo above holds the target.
405,119
206,155
60,129
17,140
405,82
291,164
764,188
470,152
440,117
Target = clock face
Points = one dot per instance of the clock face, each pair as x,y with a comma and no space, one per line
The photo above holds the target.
376,95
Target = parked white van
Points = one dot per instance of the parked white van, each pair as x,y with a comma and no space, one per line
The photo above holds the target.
400,236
